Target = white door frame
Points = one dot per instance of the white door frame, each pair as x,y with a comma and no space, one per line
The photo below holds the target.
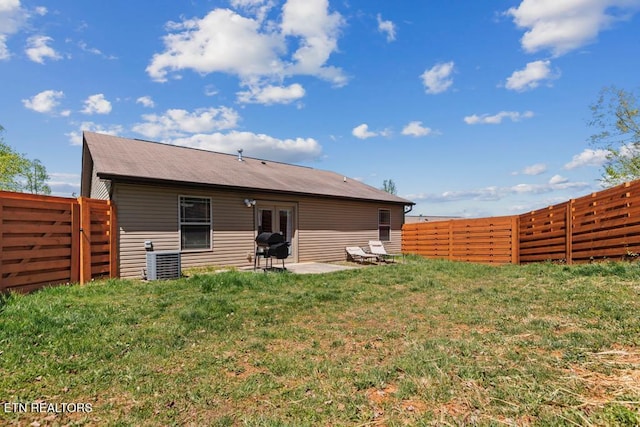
291,234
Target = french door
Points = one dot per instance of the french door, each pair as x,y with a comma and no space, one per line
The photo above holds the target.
278,218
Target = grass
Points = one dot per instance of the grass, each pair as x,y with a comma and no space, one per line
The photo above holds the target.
421,343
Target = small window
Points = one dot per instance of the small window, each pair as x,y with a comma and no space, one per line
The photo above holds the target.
195,223
384,225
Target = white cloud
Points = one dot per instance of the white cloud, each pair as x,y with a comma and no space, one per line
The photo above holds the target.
558,180
44,102
438,79
416,129
75,137
387,27
496,119
258,8
96,104
256,145
210,90
563,26
362,132
222,41
38,49
629,150
146,101
9,5
494,193
64,184
531,76
318,32
248,4
12,18
94,51
225,41
537,169
588,157
4,50
41,10
85,47
271,94
180,123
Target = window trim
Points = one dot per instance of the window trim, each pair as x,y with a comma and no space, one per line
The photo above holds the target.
382,225
181,223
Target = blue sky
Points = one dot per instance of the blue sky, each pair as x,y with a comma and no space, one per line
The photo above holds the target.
473,108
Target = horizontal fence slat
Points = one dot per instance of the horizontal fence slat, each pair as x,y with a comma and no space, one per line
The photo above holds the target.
37,278
543,257
32,205
29,254
542,250
614,253
37,241
37,228
534,244
35,216
36,266
542,239
607,234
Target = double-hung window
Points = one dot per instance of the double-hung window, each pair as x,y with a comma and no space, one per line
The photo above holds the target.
384,225
195,223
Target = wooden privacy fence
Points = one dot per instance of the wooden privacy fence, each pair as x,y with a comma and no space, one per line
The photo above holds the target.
485,240
602,225
50,240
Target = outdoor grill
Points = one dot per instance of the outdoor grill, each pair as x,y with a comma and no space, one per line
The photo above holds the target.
269,246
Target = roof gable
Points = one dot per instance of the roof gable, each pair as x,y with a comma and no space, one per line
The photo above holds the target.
131,159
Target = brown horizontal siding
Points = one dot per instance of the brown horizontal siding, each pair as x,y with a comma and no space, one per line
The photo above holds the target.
151,213
327,227
324,226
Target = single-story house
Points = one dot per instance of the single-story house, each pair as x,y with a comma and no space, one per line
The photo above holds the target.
210,206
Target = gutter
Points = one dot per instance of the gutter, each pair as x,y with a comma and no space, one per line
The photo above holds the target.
137,180
410,208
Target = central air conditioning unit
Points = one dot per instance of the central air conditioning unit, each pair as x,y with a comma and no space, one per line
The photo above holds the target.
163,265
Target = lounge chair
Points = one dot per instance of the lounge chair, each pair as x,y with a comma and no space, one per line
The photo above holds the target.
357,254
377,248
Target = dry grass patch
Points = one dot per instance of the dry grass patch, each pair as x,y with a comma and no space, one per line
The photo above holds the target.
608,376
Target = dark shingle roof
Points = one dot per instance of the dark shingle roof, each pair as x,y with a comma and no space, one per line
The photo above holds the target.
131,159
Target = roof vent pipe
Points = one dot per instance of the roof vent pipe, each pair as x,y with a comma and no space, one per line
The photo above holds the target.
240,155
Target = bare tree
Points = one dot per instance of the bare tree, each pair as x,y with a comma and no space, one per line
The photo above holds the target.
36,175
389,186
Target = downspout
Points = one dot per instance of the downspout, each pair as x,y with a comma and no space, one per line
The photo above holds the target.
410,209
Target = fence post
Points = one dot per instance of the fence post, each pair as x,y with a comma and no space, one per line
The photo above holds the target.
515,239
113,241
450,251
76,235
85,241
568,224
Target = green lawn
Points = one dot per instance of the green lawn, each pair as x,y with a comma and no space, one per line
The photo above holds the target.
421,343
